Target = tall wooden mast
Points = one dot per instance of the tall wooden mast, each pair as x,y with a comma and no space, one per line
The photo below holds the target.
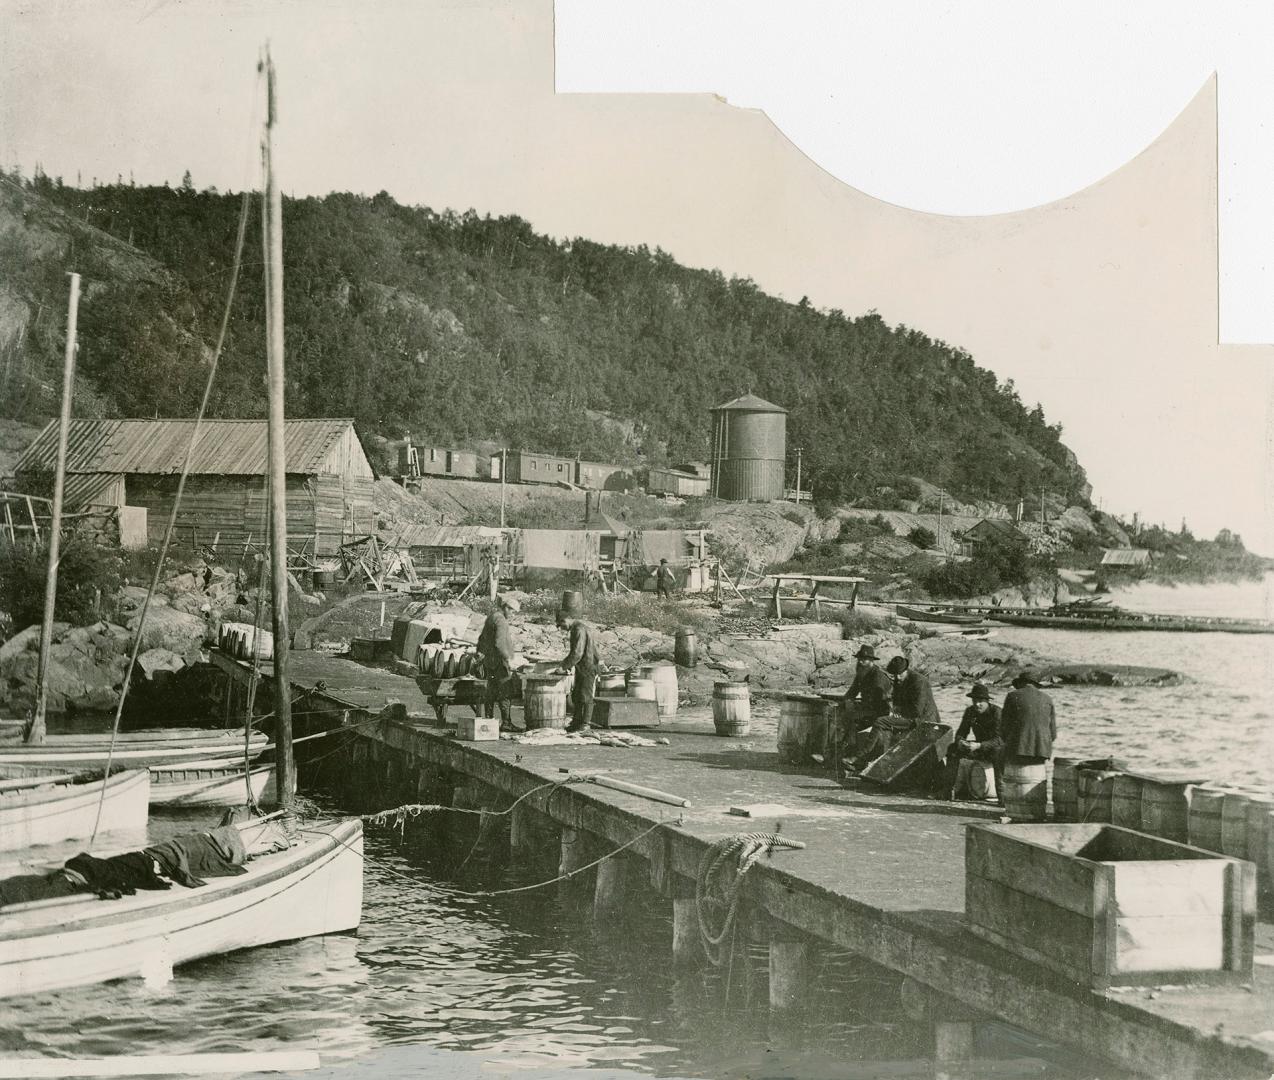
278,480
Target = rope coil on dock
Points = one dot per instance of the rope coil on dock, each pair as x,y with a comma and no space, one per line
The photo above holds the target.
718,886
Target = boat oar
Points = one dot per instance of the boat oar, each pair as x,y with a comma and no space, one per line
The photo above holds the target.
602,780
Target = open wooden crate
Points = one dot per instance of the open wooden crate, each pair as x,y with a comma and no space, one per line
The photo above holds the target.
1108,906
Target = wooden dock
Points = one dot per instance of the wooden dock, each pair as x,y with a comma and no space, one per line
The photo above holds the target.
881,875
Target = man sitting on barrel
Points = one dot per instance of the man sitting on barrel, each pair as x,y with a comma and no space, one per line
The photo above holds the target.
866,710
977,739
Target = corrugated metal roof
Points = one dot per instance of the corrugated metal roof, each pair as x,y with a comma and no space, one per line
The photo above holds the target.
1125,557
447,536
225,447
750,403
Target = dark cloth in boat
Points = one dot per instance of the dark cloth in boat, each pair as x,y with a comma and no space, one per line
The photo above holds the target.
913,698
119,875
25,888
1028,724
191,858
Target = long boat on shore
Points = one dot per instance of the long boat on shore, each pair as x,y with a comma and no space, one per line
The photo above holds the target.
47,807
313,888
82,752
937,614
1128,620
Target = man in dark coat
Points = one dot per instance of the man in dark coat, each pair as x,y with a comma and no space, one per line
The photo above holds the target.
868,702
495,644
913,696
976,739
584,659
665,579
1028,723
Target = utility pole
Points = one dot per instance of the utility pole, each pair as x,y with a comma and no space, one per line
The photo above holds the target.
35,733
942,502
798,475
504,468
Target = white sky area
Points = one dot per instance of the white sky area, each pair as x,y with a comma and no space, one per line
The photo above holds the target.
976,107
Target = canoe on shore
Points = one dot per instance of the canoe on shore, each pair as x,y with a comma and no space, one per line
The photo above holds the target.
133,749
201,784
936,615
313,888
1124,621
57,806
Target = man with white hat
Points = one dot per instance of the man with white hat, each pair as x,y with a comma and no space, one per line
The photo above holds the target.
495,644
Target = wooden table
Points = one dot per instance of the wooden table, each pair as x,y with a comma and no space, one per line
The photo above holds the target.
812,598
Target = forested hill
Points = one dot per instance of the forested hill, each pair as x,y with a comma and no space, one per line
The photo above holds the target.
460,328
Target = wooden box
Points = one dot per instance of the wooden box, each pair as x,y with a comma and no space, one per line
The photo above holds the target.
914,760
1108,906
478,728
617,712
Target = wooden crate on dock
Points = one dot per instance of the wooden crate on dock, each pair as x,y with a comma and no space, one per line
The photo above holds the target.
1108,906
914,761
619,712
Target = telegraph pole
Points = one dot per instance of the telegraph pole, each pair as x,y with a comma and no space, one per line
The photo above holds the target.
504,469
798,475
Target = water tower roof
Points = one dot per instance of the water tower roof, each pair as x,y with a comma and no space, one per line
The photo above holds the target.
749,403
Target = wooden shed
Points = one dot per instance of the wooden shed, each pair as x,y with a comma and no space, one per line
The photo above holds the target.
138,463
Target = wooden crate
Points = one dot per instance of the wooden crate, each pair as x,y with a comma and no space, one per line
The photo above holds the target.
1108,906
914,760
478,728
615,711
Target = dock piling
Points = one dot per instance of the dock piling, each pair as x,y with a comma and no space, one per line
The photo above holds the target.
790,968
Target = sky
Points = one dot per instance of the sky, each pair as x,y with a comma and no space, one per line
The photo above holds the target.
976,108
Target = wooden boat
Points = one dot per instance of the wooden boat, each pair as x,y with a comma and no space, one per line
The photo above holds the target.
313,888
54,806
202,784
937,615
133,749
1123,620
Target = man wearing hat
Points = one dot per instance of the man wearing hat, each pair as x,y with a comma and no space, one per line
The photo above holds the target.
665,579
913,696
869,701
495,645
976,739
1028,722
584,659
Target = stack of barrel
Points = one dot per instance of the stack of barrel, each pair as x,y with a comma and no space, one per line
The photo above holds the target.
243,641
655,682
444,662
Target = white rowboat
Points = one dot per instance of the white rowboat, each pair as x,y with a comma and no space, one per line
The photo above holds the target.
133,749
202,784
50,809
313,888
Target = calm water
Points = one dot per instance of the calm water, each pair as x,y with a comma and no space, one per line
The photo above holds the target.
462,986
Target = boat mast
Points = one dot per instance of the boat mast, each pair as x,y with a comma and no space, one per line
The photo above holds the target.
278,480
35,731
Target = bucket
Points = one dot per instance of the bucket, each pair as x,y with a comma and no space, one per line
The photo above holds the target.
1204,820
642,689
323,579
1125,801
573,601
1065,790
1165,808
664,676
802,728
686,648
1025,791
612,683
1094,787
544,701
731,708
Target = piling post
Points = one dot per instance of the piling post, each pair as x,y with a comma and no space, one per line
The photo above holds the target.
611,885
790,968
687,951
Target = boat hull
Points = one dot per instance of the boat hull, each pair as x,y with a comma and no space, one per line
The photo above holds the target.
66,811
86,752
191,785
314,888
926,615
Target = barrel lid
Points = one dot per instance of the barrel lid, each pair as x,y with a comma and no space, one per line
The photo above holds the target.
813,698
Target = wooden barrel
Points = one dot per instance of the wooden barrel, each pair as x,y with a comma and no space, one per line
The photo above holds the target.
572,600
612,683
1204,822
1065,789
544,701
686,648
664,676
1165,807
1234,824
1025,791
1260,808
732,708
323,579
1125,801
802,728
642,689
1094,788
